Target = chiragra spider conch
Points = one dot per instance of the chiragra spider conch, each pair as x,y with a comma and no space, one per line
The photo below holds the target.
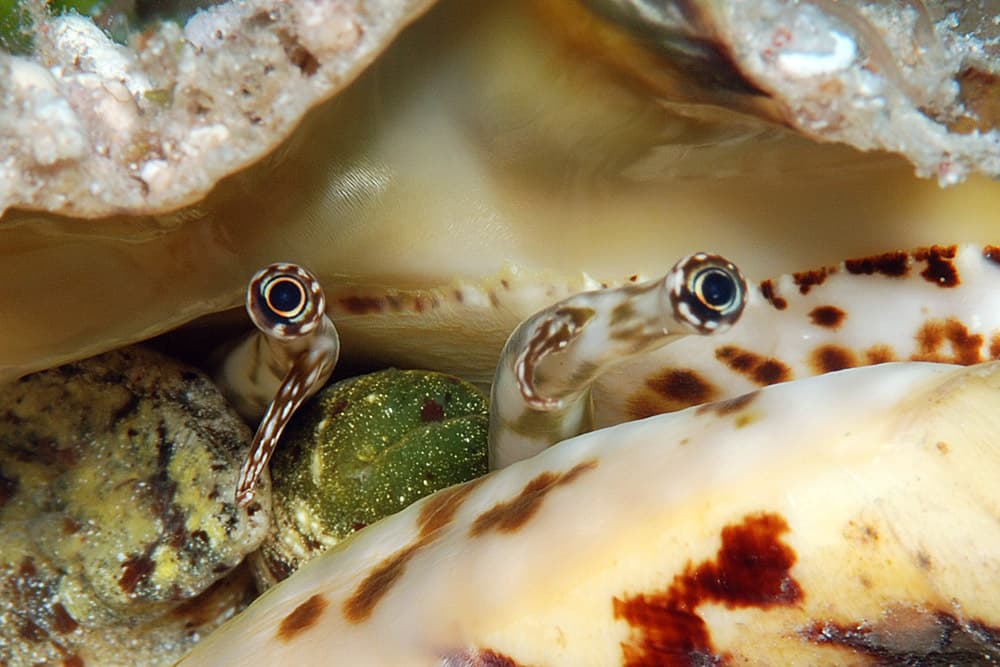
540,394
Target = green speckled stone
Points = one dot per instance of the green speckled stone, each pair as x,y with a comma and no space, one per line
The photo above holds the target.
365,448
117,476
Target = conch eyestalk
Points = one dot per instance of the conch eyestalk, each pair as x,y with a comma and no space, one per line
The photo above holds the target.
541,392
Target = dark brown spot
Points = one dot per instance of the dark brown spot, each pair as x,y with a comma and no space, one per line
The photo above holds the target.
751,569
767,291
965,347
374,587
302,618
134,570
431,411
339,406
673,389
992,253
995,346
298,54
62,622
508,517
806,280
73,660
830,317
943,447
634,277
439,509
940,269
729,406
829,358
924,560
892,264
458,296
879,354
913,636
757,368
362,305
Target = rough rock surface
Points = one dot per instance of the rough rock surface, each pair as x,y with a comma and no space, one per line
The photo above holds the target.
116,501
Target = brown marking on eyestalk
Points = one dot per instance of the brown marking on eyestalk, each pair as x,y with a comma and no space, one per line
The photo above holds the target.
551,336
755,367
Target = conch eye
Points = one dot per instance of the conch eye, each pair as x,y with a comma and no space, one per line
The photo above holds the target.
716,289
712,293
285,296
286,301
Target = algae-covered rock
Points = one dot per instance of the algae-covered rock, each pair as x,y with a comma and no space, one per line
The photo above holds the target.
365,448
116,501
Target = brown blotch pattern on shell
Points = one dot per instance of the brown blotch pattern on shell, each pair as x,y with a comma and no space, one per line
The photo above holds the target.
943,447
767,291
806,280
510,516
303,617
751,569
757,368
879,354
829,317
913,636
940,268
730,405
379,581
992,253
995,346
669,390
439,509
966,348
829,358
891,264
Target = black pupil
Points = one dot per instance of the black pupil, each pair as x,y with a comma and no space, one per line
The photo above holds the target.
717,289
285,297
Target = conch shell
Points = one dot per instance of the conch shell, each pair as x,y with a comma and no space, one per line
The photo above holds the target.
845,517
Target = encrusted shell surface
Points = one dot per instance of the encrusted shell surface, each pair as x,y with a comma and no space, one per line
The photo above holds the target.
117,475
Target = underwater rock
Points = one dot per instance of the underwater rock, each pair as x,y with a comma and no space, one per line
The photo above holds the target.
116,500
366,448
